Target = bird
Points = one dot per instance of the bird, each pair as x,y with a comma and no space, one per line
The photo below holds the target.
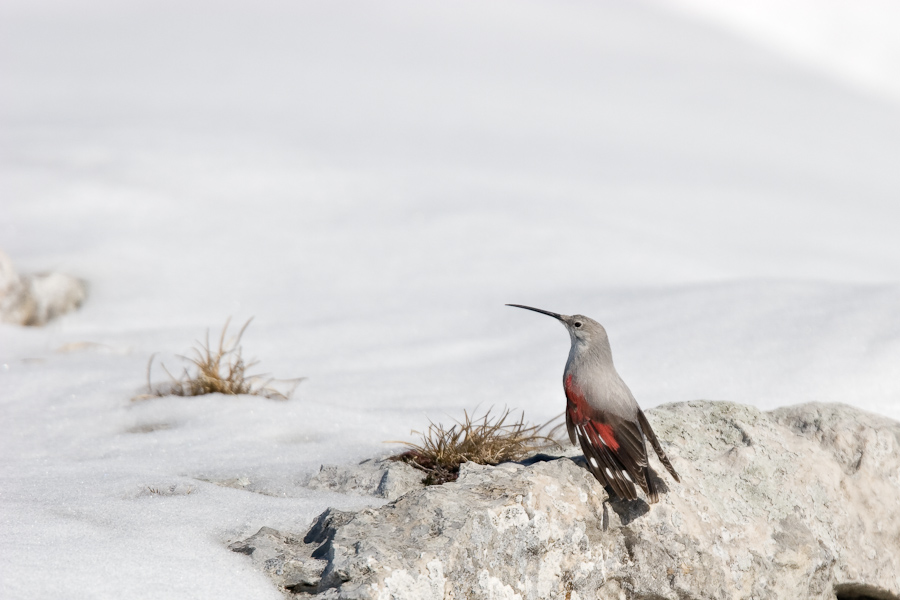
602,414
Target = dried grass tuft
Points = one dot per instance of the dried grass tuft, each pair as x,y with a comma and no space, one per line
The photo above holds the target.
219,370
486,440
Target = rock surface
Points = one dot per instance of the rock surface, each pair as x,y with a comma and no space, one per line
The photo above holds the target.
283,559
35,299
800,502
383,478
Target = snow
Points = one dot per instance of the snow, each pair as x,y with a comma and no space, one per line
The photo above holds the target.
372,184
852,40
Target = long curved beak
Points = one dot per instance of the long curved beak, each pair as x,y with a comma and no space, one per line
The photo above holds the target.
543,312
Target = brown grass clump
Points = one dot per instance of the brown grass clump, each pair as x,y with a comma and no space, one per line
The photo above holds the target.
486,440
219,370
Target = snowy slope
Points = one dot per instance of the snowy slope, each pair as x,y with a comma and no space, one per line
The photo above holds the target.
854,41
372,184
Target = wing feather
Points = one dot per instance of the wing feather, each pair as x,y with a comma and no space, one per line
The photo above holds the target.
570,427
615,447
604,466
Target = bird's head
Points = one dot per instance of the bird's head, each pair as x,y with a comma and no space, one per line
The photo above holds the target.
582,329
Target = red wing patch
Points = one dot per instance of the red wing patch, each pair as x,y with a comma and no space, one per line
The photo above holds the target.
580,414
606,434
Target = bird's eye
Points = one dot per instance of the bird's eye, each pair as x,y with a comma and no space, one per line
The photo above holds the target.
577,323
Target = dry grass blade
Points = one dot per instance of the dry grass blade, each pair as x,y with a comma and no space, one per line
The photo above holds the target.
486,440
219,370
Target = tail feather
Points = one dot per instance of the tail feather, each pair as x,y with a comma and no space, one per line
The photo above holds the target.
648,431
650,489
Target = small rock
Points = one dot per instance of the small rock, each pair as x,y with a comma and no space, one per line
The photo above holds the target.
277,555
35,299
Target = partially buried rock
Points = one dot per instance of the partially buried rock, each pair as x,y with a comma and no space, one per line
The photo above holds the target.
800,502
275,553
35,299
383,478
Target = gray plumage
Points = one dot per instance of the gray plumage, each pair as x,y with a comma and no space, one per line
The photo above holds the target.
602,414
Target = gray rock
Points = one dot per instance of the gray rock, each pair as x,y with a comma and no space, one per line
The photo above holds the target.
383,478
276,554
801,502
35,299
